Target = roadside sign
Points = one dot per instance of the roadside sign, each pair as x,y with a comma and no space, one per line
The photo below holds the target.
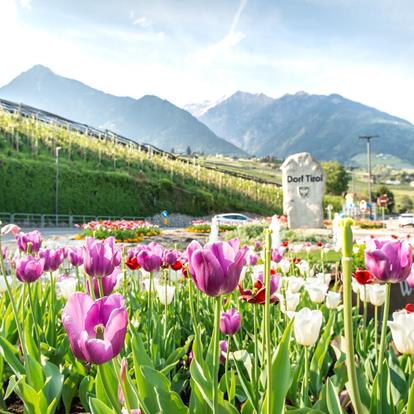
363,206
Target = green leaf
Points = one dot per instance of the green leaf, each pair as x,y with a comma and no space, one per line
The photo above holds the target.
203,381
281,374
9,353
53,385
332,400
98,407
410,405
247,385
85,390
69,391
319,364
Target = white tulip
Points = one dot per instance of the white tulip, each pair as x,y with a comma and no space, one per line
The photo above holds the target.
165,293
324,278
402,330
147,282
295,283
356,287
333,299
66,287
365,293
377,294
317,293
3,283
292,301
307,326
284,265
303,267
175,276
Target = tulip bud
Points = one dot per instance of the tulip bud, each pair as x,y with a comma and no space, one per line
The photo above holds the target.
230,322
402,328
347,238
333,299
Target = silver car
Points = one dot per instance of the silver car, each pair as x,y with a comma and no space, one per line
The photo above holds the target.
232,218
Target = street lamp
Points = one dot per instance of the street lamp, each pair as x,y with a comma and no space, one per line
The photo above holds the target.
57,184
368,139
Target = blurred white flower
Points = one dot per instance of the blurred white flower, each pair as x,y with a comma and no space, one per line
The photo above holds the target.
165,293
292,301
3,283
377,294
324,278
402,330
284,265
303,267
66,287
316,292
295,283
307,326
333,299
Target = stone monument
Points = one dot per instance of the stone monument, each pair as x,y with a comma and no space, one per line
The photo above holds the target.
303,183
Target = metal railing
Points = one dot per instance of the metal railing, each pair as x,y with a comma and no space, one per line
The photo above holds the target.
59,220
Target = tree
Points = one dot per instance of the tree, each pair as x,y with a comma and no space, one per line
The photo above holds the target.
406,204
188,150
384,190
337,179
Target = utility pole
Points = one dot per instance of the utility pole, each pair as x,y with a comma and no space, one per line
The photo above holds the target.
57,184
368,138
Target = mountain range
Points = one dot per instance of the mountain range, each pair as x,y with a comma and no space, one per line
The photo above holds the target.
328,126
145,120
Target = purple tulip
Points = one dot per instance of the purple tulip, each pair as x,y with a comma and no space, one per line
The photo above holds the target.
108,283
29,242
100,257
29,268
216,268
53,258
170,257
258,245
223,351
277,254
230,322
4,252
75,256
391,262
252,259
96,329
410,278
150,257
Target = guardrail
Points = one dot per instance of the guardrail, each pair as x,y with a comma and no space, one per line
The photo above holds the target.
59,220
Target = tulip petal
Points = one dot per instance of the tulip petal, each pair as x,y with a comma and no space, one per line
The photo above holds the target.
115,329
208,274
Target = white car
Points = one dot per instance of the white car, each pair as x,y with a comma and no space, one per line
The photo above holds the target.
406,219
232,218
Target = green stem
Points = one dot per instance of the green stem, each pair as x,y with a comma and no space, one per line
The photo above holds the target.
105,382
15,314
216,353
37,336
305,392
91,288
267,337
122,384
227,366
376,334
256,349
100,287
384,325
349,337
191,302
52,309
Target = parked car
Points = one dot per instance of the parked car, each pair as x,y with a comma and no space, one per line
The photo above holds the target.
406,219
232,218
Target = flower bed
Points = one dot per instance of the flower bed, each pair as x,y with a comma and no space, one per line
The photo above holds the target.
127,231
202,227
102,329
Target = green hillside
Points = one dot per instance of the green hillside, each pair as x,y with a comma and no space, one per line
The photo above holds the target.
101,177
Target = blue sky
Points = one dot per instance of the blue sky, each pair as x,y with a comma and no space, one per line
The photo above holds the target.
189,51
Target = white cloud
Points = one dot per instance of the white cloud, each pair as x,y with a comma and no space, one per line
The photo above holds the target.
26,4
143,22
